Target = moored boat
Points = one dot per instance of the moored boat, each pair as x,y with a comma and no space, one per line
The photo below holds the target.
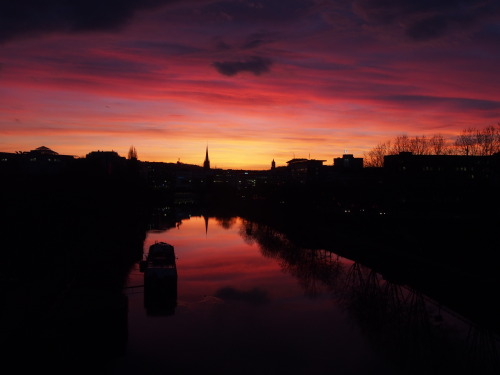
160,261
160,279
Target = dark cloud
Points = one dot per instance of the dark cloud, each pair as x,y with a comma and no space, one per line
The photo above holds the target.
255,64
259,11
489,34
254,43
429,28
422,101
21,18
222,46
253,296
428,19
250,42
256,40
163,48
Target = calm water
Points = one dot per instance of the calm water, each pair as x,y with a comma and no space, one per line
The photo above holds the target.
250,302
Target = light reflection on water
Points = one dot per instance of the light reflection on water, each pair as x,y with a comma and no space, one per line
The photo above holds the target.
249,302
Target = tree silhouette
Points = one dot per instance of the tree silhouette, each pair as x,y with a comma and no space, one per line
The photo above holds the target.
438,145
479,142
132,153
375,157
471,142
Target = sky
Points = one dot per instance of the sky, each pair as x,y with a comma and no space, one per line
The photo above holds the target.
252,80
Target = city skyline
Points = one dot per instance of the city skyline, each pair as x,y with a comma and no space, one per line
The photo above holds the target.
253,81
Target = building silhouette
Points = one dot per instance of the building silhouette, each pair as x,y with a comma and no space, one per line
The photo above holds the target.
108,163
348,162
206,163
407,180
462,167
305,170
40,161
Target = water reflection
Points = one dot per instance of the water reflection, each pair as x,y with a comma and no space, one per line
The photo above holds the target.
237,299
417,333
161,300
160,279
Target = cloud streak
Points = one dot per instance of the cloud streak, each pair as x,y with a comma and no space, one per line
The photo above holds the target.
426,20
255,64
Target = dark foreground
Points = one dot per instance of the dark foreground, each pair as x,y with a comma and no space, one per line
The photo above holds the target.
70,252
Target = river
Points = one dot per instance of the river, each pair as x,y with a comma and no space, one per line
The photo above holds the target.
249,301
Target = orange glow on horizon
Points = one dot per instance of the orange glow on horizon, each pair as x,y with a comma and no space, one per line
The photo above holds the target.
297,84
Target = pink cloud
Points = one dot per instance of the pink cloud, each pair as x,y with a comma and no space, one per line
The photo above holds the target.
329,85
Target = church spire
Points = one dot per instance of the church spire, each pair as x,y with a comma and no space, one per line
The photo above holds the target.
206,163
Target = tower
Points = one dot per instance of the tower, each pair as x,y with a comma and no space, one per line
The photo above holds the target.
206,163
273,164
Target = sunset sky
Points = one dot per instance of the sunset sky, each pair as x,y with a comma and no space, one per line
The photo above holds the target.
253,80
